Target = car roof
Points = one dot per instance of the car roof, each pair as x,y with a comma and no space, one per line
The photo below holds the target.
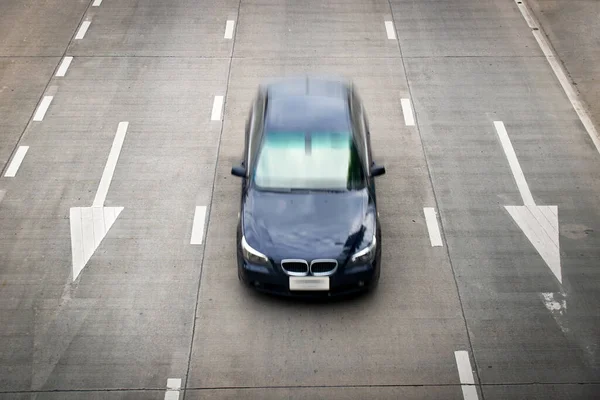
308,104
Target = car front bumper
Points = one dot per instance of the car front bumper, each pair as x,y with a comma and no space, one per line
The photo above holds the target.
343,282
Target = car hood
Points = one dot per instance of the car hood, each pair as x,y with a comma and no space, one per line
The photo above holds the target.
308,225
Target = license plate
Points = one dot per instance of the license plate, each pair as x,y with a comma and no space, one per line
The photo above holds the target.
309,283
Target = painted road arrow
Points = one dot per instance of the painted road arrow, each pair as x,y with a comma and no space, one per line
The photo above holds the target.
89,225
538,223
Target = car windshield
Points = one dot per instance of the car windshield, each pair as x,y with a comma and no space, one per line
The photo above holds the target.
308,161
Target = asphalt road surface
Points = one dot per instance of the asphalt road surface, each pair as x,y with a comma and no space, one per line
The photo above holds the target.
118,211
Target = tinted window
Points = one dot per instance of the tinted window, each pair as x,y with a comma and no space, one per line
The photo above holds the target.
318,160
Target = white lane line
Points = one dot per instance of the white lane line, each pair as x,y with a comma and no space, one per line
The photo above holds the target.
409,118
216,110
64,66
229,29
569,90
515,167
82,30
525,12
173,387
96,3
465,373
16,162
432,226
42,108
391,32
198,225
567,86
111,163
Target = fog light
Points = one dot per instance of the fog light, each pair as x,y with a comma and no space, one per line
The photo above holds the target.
361,283
256,283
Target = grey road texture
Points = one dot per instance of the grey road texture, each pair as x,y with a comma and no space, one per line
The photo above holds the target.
119,124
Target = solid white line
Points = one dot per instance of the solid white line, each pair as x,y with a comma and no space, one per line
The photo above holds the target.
83,29
43,107
111,163
229,29
567,86
198,225
16,162
465,373
409,118
514,164
432,226
391,32
569,90
173,387
64,66
525,12
96,3
216,110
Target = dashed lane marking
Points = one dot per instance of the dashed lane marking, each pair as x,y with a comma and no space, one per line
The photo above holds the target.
82,30
16,162
465,373
198,225
173,387
389,28
42,108
64,66
409,118
229,29
217,107
435,236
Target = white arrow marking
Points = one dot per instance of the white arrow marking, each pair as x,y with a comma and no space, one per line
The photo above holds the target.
538,223
111,163
89,225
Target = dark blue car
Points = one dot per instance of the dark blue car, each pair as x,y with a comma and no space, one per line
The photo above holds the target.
308,222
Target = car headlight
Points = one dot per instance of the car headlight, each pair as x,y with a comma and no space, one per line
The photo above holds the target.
365,255
251,255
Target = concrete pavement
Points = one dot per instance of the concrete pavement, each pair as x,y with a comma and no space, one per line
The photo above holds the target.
150,306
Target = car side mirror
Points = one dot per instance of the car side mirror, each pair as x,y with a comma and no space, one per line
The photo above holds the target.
238,170
377,170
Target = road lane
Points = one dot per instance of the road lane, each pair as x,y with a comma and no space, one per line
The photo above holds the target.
31,28
572,28
142,312
22,84
500,274
406,333
179,28
313,28
133,303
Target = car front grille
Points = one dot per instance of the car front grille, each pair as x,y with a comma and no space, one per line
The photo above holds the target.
295,267
323,267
